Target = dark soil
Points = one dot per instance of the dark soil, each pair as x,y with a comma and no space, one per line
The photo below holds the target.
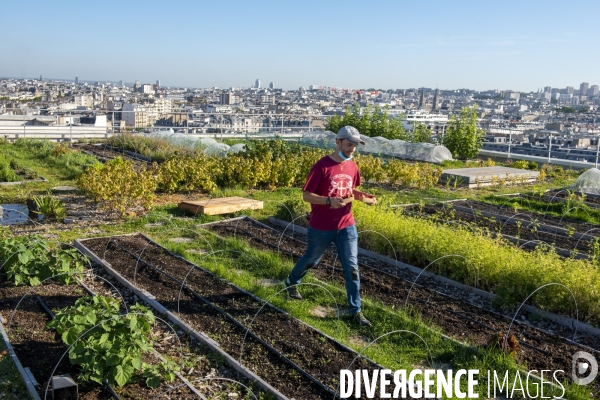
41,349
320,356
456,318
558,195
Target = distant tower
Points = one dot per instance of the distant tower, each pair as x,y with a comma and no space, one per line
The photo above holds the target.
422,99
257,84
271,85
434,107
583,88
41,79
158,83
76,79
122,83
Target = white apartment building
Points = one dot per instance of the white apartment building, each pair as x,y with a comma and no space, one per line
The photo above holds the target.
435,122
143,115
84,100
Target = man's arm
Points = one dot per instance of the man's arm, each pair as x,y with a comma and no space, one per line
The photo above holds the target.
312,198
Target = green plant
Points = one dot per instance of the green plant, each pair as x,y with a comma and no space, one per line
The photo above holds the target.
108,345
521,164
50,206
462,137
118,185
7,174
32,259
532,165
291,209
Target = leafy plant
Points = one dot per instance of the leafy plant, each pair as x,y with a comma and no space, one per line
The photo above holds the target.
113,346
118,185
50,206
31,259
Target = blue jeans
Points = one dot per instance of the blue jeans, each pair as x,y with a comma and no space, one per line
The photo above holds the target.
346,242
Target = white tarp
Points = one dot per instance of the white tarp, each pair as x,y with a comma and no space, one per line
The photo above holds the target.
379,145
588,182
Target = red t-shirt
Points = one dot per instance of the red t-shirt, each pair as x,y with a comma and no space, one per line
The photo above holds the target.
332,179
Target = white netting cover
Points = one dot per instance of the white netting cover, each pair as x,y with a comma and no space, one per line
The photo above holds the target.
236,148
379,145
217,149
588,182
206,141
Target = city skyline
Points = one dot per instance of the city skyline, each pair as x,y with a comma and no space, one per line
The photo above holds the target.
508,46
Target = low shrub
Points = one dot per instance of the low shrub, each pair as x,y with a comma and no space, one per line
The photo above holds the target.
118,186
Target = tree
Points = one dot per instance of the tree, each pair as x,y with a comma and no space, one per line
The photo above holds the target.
420,133
462,137
370,122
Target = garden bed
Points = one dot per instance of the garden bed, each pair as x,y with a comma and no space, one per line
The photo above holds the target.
40,349
456,317
293,357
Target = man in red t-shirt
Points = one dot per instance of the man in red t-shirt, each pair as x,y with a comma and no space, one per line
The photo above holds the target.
330,189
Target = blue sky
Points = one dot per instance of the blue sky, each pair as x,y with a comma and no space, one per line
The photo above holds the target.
518,45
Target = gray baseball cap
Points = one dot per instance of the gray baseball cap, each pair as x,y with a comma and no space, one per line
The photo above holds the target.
350,133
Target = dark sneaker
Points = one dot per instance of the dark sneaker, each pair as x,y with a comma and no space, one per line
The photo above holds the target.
360,319
292,291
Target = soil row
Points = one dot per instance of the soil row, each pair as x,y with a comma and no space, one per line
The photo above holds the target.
456,317
104,153
210,304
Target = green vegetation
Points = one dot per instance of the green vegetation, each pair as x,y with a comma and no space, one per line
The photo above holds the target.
50,206
462,137
118,185
567,110
32,259
511,273
573,208
6,173
371,122
108,345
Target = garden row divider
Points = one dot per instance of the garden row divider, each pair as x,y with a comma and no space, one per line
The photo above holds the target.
201,337
567,322
40,179
27,378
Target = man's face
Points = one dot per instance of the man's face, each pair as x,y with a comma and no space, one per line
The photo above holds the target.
346,147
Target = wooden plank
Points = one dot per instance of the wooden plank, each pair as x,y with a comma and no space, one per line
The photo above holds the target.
224,205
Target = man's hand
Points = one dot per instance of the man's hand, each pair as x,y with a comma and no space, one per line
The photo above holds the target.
364,197
336,202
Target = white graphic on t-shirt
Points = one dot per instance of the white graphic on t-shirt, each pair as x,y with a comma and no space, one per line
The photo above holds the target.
340,186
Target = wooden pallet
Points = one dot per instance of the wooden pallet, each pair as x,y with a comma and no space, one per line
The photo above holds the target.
223,205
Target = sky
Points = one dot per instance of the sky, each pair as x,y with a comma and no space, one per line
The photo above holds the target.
505,45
